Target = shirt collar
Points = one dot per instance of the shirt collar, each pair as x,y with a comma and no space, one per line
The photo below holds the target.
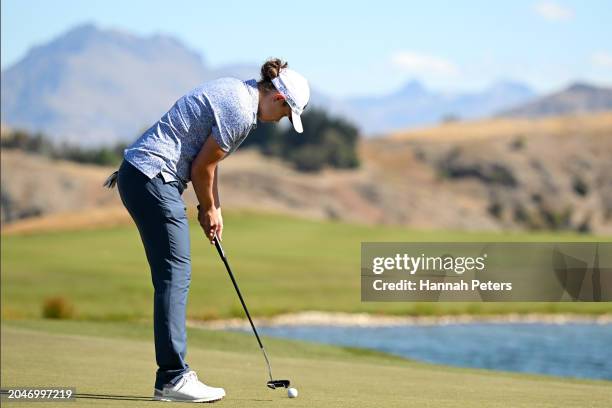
254,91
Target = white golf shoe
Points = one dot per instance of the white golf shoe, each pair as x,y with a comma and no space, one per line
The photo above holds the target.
188,388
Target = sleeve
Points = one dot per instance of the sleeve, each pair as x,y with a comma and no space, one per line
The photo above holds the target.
222,140
229,129
232,114
231,124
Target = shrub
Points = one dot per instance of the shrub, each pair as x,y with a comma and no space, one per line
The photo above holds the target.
57,307
326,141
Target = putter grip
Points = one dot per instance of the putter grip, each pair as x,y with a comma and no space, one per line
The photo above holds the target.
218,246
216,241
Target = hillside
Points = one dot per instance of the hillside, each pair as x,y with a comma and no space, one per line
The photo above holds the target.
577,98
33,185
550,173
501,174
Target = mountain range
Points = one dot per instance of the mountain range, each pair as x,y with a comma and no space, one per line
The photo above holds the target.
415,105
93,86
577,98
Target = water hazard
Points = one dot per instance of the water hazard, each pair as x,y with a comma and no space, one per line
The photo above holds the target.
581,350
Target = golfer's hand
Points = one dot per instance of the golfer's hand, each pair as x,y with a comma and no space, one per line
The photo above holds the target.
211,222
220,230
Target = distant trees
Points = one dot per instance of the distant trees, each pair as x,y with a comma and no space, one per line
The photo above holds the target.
19,139
103,156
326,141
40,144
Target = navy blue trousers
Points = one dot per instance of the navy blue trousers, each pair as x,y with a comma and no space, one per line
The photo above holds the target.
160,214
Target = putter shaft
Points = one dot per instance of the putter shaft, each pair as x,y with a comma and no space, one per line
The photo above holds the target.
246,310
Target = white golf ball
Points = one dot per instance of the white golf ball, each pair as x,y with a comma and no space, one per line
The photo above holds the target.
292,393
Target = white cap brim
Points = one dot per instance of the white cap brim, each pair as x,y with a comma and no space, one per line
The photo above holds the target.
297,122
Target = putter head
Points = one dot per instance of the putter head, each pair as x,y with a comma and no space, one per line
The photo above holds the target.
274,384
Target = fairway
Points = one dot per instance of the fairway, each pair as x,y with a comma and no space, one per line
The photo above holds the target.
117,359
283,264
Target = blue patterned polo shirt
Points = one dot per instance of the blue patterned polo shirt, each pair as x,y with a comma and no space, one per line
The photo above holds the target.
225,108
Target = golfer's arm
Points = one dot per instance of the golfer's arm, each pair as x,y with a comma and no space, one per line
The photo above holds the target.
216,188
203,173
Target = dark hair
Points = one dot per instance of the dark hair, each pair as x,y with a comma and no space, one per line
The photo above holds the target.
270,70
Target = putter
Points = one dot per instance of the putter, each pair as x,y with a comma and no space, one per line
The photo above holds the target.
273,384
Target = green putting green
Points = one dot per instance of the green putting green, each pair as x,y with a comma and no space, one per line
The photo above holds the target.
113,361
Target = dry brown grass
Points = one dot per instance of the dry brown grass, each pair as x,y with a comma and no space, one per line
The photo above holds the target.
600,123
74,220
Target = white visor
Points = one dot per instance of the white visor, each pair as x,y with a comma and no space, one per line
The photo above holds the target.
294,87
297,122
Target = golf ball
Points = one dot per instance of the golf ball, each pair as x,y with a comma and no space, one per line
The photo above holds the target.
292,393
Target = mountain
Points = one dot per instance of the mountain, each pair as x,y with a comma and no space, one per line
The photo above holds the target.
577,98
93,87
415,105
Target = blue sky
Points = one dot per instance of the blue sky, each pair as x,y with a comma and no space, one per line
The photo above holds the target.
356,47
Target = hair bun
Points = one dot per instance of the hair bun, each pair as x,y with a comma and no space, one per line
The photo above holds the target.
271,68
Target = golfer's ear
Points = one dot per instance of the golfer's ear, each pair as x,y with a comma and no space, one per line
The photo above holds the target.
210,153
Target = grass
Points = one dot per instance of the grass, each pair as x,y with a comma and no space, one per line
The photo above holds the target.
117,358
98,280
283,264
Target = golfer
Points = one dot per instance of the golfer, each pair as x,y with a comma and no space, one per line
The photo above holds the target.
187,144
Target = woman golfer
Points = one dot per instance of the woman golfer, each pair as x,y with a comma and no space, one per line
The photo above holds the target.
187,144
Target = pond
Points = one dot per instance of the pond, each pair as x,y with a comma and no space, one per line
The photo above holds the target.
581,350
